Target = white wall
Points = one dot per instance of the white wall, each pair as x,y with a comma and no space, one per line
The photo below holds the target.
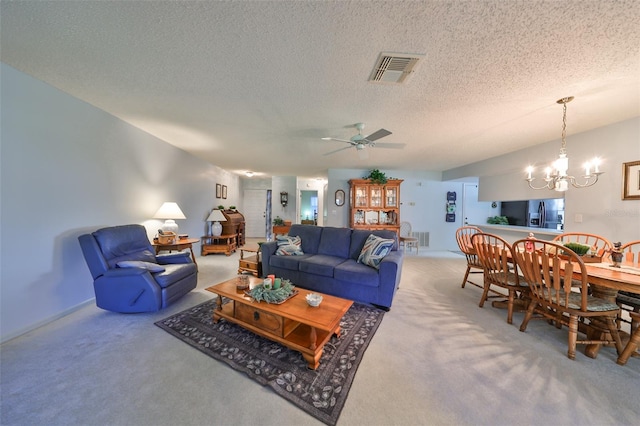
601,206
422,203
68,168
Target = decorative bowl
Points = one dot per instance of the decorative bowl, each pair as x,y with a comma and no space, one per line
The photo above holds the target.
314,299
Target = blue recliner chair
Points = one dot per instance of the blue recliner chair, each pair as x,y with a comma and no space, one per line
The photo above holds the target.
128,277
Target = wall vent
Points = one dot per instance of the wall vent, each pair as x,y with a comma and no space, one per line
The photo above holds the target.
394,68
423,238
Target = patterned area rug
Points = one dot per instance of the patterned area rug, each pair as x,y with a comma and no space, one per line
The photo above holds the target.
321,393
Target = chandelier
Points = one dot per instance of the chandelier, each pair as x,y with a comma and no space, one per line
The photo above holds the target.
556,177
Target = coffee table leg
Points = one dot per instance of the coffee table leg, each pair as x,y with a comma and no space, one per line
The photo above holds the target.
216,318
313,360
313,338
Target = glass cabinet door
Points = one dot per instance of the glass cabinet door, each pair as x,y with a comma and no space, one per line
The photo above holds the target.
376,197
358,217
388,217
391,196
360,196
371,217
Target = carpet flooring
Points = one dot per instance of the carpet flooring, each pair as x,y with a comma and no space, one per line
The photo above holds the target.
436,359
321,392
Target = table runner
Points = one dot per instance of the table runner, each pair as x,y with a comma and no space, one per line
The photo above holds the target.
623,268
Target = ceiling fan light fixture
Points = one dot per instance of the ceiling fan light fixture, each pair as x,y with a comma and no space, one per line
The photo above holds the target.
360,141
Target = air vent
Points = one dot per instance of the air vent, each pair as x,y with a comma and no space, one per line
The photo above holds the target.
394,67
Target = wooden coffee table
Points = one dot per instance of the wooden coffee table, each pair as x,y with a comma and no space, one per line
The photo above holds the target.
293,323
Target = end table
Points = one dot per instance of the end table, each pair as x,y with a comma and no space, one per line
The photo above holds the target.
250,260
225,243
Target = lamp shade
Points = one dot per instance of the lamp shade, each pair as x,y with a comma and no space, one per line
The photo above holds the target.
216,216
169,210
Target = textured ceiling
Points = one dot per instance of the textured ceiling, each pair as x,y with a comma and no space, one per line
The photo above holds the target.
255,85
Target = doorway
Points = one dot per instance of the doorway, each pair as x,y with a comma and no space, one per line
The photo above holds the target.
308,212
255,213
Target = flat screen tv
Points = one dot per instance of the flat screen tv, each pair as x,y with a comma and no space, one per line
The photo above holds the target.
515,211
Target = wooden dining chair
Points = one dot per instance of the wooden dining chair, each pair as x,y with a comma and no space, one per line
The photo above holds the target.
494,254
601,245
553,297
463,237
633,343
630,302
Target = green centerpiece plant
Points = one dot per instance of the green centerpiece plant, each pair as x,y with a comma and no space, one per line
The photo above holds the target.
579,249
272,295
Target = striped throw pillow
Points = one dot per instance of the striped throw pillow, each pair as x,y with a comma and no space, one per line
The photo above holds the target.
289,246
375,249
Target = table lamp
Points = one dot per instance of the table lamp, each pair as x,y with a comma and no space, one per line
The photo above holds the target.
169,211
216,217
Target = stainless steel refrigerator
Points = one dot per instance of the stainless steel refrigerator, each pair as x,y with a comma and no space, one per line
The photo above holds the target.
547,213
540,213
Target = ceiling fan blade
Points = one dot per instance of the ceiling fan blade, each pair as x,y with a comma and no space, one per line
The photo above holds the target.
337,150
338,140
390,145
378,135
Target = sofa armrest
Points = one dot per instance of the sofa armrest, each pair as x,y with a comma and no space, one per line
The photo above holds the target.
390,272
267,250
174,258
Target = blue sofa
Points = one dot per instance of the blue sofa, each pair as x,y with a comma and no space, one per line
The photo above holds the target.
127,275
329,264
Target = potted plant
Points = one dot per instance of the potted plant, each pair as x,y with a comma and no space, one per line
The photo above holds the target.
220,207
498,220
232,208
376,176
278,221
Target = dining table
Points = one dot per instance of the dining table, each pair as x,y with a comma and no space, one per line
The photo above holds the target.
605,281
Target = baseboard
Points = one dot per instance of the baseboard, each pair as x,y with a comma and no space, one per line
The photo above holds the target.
46,321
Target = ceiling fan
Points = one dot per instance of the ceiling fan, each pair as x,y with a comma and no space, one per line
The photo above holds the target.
360,142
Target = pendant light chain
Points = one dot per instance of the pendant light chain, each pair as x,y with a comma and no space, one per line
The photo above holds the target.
563,148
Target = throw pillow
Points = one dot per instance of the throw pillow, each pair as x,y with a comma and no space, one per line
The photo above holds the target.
374,250
151,267
289,246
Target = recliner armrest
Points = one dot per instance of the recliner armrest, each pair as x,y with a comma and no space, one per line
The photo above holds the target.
128,290
174,258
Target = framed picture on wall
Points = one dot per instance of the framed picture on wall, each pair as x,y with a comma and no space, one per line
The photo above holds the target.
218,190
631,180
224,191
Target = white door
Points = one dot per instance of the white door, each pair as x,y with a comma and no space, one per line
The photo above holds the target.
255,205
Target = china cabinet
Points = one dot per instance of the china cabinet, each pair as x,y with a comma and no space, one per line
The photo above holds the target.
374,205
